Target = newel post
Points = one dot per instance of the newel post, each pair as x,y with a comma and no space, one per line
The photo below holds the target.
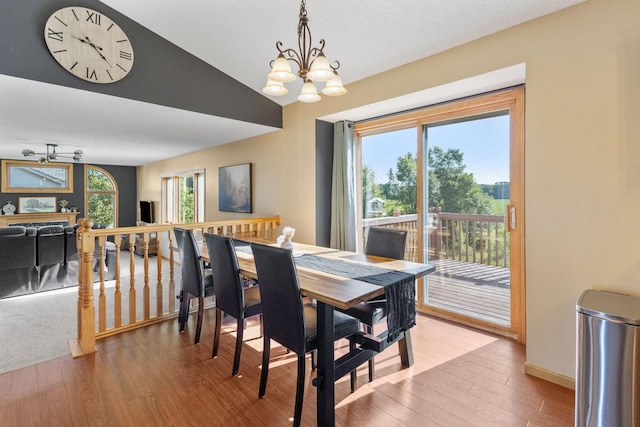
86,343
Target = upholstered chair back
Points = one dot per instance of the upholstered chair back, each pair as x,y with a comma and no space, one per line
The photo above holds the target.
70,243
386,242
50,245
282,307
17,247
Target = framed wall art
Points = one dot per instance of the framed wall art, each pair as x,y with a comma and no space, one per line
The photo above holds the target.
31,177
234,192
37,204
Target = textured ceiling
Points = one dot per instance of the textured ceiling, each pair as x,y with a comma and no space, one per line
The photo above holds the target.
238,38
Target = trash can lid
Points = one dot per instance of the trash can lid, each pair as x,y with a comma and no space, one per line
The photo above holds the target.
611,306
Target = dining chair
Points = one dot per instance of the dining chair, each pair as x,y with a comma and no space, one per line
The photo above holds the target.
286,319
194,283
387,243
232,296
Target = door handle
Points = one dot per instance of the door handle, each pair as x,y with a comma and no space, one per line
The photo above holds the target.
510,217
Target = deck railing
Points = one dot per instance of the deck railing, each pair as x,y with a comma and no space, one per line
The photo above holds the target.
480,239
137,300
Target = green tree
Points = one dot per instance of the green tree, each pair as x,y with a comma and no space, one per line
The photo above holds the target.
100,198
187,201
401,189
451,188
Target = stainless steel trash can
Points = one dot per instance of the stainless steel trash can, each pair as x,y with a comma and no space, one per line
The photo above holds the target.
608,360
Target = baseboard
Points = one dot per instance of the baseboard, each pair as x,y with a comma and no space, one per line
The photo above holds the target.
550,376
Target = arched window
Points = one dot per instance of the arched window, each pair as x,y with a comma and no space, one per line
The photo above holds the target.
101,197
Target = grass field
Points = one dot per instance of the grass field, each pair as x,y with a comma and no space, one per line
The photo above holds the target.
499,206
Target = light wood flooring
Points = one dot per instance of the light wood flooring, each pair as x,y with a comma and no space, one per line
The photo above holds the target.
158,377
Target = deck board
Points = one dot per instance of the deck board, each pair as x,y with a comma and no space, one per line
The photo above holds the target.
474,290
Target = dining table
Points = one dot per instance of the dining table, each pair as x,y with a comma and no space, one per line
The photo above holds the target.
335,279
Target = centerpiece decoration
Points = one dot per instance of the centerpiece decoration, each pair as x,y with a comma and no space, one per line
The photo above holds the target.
284,240
63,204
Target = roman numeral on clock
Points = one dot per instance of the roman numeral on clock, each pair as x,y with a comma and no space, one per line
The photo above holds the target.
55,35
126,55
92,74
94,18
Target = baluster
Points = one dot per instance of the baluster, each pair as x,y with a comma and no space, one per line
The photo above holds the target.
117,297
506,249
172,282
145,288
459,239
102,299
474,231
497,245
482,242
132,280
159,290
466,241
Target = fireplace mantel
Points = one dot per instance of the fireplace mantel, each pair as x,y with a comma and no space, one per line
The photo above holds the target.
38,217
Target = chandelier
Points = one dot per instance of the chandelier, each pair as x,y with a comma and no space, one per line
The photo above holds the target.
52,155
312,66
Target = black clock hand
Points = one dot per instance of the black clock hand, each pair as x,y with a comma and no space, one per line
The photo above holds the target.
86,40
97,49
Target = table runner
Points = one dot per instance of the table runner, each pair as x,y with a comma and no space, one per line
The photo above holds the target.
400,291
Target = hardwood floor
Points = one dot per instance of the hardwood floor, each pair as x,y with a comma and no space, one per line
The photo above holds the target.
156,376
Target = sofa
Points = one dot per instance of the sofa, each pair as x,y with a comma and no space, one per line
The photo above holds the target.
35,259
18,270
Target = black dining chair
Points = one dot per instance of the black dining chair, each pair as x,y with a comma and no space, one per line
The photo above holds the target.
387,243
232,295
286,319
194,283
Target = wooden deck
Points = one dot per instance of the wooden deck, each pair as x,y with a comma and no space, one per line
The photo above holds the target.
475,290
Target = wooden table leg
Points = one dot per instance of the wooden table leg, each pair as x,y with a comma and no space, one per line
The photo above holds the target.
406,350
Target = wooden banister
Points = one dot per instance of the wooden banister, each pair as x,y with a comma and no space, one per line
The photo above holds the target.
93,242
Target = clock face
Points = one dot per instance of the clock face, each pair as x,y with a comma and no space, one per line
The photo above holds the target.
88,44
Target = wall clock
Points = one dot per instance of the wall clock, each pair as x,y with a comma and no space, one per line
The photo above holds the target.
88,44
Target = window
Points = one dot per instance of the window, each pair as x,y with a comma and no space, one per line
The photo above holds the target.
101,197
31,177
183,197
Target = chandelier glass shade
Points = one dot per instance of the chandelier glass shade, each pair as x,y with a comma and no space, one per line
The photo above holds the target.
313,66
52,155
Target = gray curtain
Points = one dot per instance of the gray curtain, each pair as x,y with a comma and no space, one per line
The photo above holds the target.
343,203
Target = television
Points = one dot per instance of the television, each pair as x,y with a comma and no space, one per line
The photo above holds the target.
147,212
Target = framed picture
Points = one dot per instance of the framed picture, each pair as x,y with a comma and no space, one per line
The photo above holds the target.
234,192
31,177
37,204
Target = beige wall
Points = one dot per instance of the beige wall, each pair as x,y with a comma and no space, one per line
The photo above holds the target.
582,164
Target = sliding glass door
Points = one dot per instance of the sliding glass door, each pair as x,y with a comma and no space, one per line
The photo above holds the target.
452,176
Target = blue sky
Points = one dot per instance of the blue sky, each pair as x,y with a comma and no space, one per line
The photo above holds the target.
484,142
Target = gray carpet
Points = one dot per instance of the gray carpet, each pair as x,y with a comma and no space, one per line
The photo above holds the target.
35,328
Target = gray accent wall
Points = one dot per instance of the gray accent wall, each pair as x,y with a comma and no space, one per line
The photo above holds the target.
162,73
125,177
324,172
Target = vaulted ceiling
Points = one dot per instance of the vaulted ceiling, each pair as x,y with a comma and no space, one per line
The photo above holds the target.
238,38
